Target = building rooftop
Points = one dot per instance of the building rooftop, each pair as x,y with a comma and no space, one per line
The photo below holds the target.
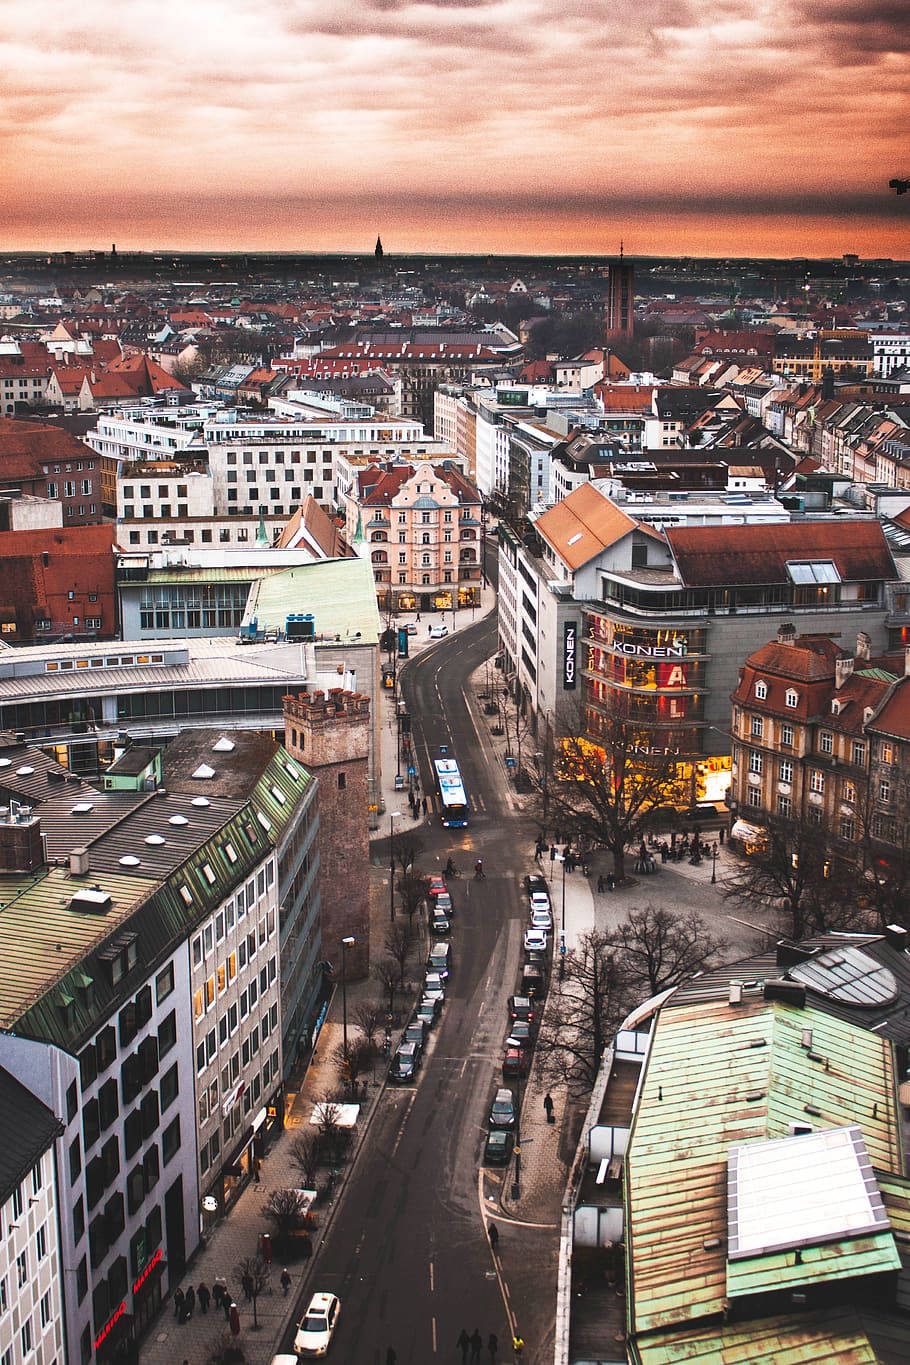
27,1129
339,593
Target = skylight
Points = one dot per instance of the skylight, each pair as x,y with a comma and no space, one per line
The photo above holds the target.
154,839
82,808
201,801
203,772
223,746
25,771
128,860
573,540
178,820
812,571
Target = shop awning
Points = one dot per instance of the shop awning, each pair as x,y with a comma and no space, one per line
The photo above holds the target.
749,833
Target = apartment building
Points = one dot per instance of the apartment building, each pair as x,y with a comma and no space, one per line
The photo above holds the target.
31,1283
423,526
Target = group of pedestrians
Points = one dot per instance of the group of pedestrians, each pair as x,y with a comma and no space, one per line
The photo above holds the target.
185,1300
474,1344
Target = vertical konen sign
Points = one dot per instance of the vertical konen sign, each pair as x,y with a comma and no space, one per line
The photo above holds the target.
569,655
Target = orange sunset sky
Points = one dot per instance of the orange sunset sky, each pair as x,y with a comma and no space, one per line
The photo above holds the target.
741,127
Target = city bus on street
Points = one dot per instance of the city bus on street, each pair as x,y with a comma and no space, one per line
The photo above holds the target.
453,803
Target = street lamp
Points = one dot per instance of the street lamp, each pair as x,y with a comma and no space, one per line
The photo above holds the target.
393,816
346,943
713,864
562,937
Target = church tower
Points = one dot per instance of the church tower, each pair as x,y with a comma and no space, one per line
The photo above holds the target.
379,253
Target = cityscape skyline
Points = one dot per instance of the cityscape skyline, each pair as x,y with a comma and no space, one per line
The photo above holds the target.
469,127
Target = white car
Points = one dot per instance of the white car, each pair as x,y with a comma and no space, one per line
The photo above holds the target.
539,900
438,632
541,919
316,1328
535,940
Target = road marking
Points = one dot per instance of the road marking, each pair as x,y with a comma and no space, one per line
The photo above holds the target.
432,1283
404,1118
503,1287
433,1328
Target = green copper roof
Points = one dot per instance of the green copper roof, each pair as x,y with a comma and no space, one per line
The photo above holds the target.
795,1339
828,1261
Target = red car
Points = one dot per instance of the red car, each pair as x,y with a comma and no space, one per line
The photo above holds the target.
437,886
514,1063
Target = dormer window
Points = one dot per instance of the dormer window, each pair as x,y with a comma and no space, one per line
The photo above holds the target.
792,698
761,690
835,706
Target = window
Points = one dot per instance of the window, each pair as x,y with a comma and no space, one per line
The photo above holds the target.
817,781
41,1243
26,1335
858,754
785,771
167,1033
826,742
45,1309
169,1087
848,791
164,983
22,1268
786,736
885,752
847,827
761,690
755,762
170,1141
341,782
792,698
784,806
757,728
884,791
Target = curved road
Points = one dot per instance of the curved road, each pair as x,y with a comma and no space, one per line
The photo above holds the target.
407,1252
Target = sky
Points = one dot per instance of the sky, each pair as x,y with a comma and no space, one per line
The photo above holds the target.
766,127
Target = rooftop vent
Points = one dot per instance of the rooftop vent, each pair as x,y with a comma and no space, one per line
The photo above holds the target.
92,900
82,808
788,992
736,993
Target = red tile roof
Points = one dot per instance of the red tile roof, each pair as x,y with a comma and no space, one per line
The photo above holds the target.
894,717
709,556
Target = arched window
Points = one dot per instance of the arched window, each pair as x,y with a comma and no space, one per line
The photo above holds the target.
761,690
792,698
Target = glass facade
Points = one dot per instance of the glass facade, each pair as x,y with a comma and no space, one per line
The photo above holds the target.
194,606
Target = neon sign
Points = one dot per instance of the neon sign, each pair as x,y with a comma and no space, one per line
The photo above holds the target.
109,1326
137,1284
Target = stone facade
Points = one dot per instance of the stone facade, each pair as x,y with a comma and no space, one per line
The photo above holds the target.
330,734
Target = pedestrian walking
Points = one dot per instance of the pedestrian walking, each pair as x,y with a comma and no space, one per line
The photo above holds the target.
246,1284
463,1342
227,1303
217,1294
256,1165
493,1234
285,1281
493,1347
424,805
203,1295
476,1344
548,1106
189,1302
178,1303
518,1346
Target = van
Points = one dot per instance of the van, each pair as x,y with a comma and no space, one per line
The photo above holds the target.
439,959
533,982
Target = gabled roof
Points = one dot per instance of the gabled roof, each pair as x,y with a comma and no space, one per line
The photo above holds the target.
709,556
894,717
582,525
27,1129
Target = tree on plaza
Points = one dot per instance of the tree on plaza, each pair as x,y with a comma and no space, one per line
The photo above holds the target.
332,1137
399,944
305,1156
658,948
407,847
368,1018
386,973
883,865
226,1351
287,1209
413,889
600,791
583,1015
797,871
253,1274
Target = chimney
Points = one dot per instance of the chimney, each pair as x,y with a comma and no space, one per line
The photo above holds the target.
786,633
863,646
788,992
896,937
843,668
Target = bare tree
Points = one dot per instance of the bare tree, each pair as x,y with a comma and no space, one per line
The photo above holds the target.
796,871
386,973
883,865
659,948
331,1133
580,1020
226,1351
399,944
287,1209
253,1274
368,1017
305,1153
601,791
413,889
407,847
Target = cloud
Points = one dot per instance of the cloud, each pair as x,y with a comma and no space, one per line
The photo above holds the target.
456,102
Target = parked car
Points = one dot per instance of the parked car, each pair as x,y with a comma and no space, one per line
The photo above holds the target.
539,900
405,1063
514,1063
439,924
428,1012
438,632
520,1031
444,903
498,1148
411,628
416,1032
536,957
533,981
317,1326
541,919
434,984
502,1110
535,939
520,1007
439,959
535,881
437,885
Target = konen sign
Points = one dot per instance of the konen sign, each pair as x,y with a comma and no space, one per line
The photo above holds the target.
651,651
569,655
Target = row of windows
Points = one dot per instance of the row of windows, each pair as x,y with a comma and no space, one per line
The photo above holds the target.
207,1049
